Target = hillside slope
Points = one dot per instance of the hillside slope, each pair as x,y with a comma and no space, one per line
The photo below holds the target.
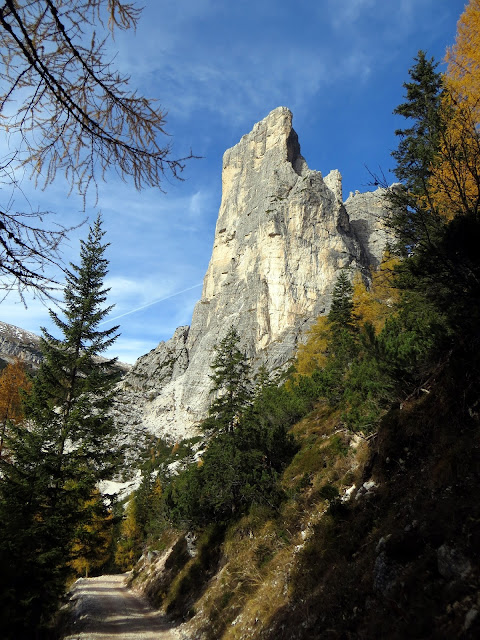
379,538
19,343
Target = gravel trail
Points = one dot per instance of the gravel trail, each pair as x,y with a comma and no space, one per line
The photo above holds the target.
106,609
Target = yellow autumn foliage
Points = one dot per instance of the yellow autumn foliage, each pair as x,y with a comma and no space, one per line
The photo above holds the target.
376,303
463,58
157,488
93,550
312,354
128,546
373,304
455,180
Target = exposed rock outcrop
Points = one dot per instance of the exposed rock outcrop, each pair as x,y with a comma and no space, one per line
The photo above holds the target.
18,343
25,345
366,212
282,235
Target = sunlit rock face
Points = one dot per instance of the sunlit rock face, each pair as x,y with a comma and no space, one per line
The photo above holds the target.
282,236
18,343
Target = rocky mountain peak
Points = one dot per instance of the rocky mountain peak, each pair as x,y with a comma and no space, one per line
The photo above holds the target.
270,139
283,233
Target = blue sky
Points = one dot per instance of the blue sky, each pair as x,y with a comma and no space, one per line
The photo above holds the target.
217,68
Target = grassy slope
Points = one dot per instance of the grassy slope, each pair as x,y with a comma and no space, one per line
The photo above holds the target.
398,561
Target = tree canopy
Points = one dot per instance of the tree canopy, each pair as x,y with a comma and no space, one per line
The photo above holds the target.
13,381
455,183
232,387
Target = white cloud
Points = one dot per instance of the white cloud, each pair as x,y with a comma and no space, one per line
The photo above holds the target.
132,303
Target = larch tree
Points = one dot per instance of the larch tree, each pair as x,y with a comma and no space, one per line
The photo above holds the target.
455,184
377,302
65,447
66,108
13,381
331,341
312,354
129,544
92,548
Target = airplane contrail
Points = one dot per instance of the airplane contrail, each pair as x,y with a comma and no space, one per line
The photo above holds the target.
149,304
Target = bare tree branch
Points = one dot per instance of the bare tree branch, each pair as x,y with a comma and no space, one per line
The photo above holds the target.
69,110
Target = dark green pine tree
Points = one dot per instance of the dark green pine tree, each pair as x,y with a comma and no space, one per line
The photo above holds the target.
420,142
343,340
412,218
232,384
66,445
341,314
248,447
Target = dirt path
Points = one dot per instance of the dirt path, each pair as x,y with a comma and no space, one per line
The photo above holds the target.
105,609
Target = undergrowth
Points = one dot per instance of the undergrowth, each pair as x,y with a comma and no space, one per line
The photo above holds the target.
366,565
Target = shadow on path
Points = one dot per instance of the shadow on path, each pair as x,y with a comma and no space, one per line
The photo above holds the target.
104,609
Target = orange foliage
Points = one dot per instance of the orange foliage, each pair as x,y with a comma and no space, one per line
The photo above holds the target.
455,182
13,380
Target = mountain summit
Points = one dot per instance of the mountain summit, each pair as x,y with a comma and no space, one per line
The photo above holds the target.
283,234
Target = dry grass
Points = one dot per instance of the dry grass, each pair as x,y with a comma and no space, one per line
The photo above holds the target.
263,551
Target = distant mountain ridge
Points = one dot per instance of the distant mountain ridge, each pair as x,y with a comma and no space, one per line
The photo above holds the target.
19,343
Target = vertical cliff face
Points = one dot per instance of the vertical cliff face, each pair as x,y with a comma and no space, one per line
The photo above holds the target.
282,235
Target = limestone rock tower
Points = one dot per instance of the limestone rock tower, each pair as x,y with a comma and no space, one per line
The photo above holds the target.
283,233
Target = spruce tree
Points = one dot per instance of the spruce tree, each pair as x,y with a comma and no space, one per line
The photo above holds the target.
57,457
413,219
420,142
231,383
342,344
341,315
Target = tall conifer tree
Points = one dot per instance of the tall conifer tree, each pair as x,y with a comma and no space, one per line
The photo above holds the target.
66,446
342,323
413,218
420,142
231,383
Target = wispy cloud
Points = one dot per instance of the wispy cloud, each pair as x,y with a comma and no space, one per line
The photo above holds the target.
343,14
151,303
